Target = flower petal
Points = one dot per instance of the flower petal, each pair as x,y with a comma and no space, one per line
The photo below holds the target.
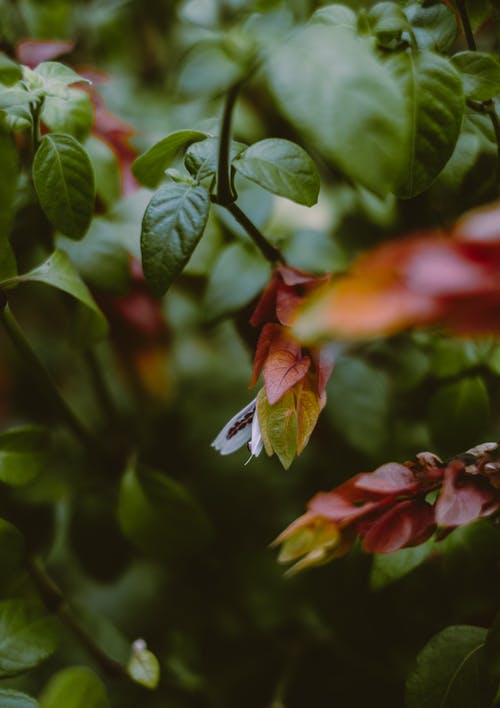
237,431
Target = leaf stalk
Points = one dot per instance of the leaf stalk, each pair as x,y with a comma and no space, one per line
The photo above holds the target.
225,195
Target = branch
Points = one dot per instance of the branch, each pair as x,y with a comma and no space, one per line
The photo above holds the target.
101,389
55,602
272,253
464,16
225,195
487,107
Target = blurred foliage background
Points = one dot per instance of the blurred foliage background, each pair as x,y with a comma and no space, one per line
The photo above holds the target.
194,576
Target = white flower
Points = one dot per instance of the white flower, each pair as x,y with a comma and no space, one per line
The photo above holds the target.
242,428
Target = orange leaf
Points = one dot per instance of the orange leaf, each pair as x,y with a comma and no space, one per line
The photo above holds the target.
282,370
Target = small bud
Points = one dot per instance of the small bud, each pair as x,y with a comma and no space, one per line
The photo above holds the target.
482,449
139,645
429,459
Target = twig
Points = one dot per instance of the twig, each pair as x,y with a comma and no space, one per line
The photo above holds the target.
225,195
464,16
487,107
272,253
100,387
55,602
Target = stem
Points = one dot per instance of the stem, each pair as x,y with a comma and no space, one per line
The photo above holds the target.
36,111
464,16
42,378
493,116
487,106
100,387
55,602
226,196
272,253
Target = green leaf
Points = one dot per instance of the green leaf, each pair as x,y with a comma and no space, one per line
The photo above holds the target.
435,103
159,515
480,74
106,170
76,687
10,72
387,22
102,259
359,408
9,162
459,413
201,157
207,251
59,272
15,109
56,76
23,454
434,25
149,168
64,182
16,699
470,172
12,552
209,69
315,252
387,568
452,356
279,426
336,15
308,409
281,167
450,671
143,667
336,92
492,648
173,224
71,114
105,634
27,637
238,276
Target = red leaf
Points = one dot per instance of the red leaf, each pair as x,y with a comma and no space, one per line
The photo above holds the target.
282,370
474,316
391,478
462,500
390,532
33,51
265,309
293,276
443,268
269,332
342,505
424,523
406,524
287,303
324,361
